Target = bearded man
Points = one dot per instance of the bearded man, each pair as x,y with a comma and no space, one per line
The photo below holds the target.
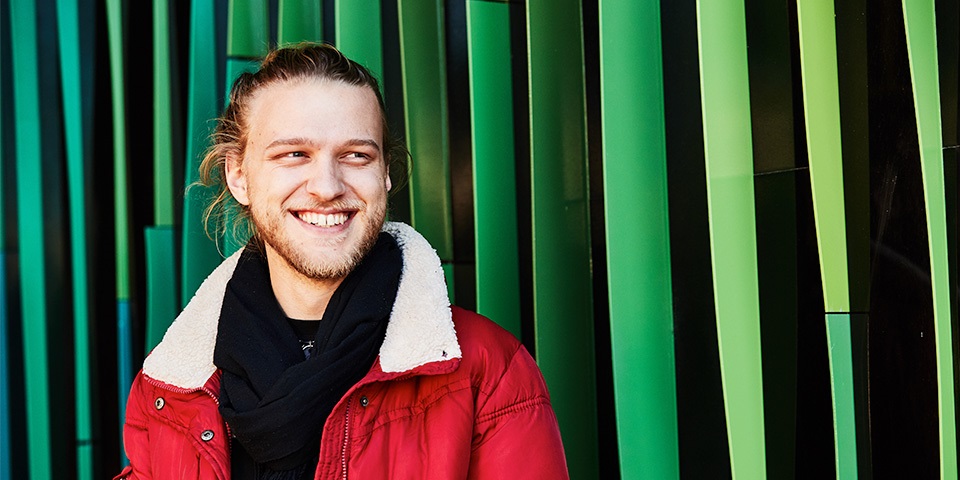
327,347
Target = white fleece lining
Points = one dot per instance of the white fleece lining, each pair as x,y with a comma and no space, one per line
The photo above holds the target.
420,330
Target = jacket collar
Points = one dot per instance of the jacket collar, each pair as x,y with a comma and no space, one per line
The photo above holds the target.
420,330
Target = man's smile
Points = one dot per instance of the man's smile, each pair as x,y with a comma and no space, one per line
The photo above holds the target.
318,219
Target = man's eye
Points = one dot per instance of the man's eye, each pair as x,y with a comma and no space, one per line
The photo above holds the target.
296,154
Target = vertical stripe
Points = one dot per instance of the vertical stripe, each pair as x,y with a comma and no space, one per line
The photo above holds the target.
724,91
494,177
422,58
299,21
638,243
918,17
6,442
30,208
840,352
71,66
121,219
159,245
162,116
247,32
359,33
200,254
562,285
821,104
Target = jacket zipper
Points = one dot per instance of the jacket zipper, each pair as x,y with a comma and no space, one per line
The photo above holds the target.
346,439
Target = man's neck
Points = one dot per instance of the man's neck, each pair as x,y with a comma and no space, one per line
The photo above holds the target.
300,297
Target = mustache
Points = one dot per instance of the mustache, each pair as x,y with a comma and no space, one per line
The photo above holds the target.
336,205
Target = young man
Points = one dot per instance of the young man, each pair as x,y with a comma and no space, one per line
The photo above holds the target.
327,348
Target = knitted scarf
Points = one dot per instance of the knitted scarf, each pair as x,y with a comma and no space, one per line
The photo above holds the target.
274,400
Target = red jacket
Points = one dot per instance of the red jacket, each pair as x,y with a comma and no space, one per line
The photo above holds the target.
451,396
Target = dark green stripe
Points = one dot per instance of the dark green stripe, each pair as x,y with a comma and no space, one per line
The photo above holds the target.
563,312
494,179
730,198
422,55
161,292
162,116
247,35
921,34
840,352
121,197
30,207
638,238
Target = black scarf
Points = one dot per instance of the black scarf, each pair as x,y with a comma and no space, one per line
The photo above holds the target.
274,401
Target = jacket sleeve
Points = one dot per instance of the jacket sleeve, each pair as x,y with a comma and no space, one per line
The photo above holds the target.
135,436
516,432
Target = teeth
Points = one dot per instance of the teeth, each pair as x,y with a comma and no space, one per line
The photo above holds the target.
322,220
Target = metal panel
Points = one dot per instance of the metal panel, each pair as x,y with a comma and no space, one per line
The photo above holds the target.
298,21
821,104
200,254
494,176
422,57
562,286
75,57
359,33
159,240
121,197
30,235
730,196
918,18
638,238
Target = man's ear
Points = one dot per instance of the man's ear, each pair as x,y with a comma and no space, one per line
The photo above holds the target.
236,180
389,183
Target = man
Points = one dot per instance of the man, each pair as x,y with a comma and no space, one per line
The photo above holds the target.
327,347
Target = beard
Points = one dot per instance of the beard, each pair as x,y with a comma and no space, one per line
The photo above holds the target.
336,258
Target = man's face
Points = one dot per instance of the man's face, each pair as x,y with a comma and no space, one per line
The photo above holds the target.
313,175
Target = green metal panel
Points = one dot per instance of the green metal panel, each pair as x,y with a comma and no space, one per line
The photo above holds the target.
161,291
840,352
300,20
562,286
359,33
422,55
200,255
494,177
160,242
821,104
724,88
248,20
30,238
75,110
121,219
638,238
918,18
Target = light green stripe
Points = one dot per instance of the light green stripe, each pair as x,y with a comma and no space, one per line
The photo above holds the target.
724,85
162,117
562,284
821,104
68,24
494,178
120,195
359,33
918,17
841,388
638,238
30,209
200,255
299,21
422,55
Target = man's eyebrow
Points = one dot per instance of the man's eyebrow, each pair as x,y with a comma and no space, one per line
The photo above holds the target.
353,142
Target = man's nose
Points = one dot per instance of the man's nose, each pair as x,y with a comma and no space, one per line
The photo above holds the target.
326,179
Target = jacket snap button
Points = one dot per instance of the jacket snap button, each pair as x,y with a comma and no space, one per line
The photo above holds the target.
207,435
363,401
158,403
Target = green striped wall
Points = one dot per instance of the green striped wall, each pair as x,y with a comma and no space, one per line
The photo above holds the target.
579,227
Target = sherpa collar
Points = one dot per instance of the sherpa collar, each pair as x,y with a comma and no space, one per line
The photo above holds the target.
420,329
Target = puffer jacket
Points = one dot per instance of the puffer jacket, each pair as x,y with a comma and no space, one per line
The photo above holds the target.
450,396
